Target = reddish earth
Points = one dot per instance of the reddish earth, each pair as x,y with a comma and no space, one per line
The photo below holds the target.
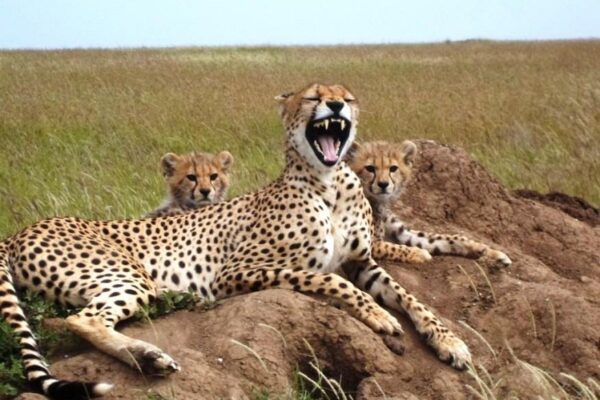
576,207
545,307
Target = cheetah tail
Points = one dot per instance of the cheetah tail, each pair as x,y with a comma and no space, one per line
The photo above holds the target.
35,367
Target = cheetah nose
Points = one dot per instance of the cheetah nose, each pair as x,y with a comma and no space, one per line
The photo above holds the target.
205,192
335,106
383,184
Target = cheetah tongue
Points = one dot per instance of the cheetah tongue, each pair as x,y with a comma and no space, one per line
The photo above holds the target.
327,144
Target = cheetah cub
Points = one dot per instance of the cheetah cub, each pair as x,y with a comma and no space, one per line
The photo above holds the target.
194,180
384,169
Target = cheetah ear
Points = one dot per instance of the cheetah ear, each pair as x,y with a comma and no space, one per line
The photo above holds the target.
409,150
168,163
284,96
353,152
226,160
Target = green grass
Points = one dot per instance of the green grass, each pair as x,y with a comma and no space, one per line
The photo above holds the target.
81,132
49,340
168,302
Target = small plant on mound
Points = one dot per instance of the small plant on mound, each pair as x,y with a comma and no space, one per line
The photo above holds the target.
168,302
37,309
11,368
12,378
312,384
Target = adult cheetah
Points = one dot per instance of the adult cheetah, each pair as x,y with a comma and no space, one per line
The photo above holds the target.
295,233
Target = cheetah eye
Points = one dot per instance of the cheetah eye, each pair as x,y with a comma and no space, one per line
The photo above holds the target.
393,168
370,168
191,177
213,176
311,98
349,99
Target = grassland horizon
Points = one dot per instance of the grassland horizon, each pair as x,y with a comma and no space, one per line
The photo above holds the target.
82,131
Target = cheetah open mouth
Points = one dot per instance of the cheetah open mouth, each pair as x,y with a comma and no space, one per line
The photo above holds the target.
327,137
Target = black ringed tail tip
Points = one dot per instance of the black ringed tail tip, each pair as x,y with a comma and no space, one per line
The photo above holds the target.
64,390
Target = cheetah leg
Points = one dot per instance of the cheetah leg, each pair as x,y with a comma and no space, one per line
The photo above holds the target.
97,320
382,250
438,244
237,280
386,291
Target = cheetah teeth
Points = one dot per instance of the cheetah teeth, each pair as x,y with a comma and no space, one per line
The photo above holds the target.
325,123
318,147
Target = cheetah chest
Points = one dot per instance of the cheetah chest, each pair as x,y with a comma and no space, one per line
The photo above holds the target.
348,237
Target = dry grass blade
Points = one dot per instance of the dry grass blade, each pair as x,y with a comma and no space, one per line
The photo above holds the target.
487,280
480,336
531,317
475,393
315,384
593,384
553,316
251,351
585,392
276,331
378,386
542,377
485,392
324,378
340,390
471,282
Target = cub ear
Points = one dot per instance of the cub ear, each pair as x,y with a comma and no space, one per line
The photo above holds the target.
283,96
352,152
409,150
225,159
168,163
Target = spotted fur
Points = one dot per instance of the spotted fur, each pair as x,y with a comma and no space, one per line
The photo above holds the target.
194,180
295,233
384,169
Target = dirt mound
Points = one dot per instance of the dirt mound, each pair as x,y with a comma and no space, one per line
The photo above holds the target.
545,309
576,207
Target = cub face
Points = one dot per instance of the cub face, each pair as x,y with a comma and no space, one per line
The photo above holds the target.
197,179
383,168
320,121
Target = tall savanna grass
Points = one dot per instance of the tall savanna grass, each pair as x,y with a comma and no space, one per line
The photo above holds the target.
82,131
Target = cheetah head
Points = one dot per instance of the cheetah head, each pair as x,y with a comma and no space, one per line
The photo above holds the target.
383,168
320,121
197,179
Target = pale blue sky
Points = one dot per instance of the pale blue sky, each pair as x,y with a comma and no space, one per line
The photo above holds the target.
133,23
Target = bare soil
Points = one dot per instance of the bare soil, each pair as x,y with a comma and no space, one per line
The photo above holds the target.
545,307
575,206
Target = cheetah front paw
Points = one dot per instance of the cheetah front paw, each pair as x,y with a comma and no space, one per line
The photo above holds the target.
496,258
418,256
380,320
153,361
452,350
